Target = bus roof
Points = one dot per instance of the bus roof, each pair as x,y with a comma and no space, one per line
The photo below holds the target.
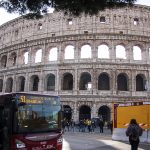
27,93
6,97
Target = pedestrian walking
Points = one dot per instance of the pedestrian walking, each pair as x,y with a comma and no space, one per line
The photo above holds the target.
101,126
110,126
89,123
68,125
72,125
81,126
93,126
63,125
133,132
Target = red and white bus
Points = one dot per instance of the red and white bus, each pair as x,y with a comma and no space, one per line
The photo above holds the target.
30,122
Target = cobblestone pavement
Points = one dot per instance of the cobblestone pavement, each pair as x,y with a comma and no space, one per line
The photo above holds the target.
95,141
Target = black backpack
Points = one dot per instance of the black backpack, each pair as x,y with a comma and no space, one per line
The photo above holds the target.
134,133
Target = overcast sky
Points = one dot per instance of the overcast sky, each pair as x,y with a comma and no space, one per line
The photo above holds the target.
4,16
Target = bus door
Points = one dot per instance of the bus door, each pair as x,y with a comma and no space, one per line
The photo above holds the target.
1,126
5,127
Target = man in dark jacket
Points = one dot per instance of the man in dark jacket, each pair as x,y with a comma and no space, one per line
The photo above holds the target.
101,126
134,131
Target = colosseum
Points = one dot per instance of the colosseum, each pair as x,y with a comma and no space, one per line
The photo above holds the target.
91,62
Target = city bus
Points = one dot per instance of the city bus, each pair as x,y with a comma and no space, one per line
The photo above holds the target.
30,122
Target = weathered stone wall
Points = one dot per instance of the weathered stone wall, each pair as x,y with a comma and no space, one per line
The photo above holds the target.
128,26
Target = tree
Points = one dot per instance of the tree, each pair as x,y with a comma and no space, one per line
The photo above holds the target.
35,8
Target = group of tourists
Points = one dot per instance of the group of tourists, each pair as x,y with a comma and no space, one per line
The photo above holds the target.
86,125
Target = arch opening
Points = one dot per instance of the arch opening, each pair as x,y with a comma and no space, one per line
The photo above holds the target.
84,80
67,82
104,113
67,113
84,112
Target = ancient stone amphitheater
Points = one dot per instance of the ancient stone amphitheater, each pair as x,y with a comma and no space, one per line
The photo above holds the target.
90,61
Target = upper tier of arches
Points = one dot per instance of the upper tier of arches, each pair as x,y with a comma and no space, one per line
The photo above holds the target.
86,52
124,21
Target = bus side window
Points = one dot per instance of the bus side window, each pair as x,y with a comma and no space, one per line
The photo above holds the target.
2,124
6,127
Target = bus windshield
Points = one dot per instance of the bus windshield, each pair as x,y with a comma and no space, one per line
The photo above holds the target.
37,114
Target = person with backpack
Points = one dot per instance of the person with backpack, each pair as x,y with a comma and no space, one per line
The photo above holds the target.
133,132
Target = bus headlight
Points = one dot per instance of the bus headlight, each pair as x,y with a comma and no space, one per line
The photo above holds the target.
59,140
20,144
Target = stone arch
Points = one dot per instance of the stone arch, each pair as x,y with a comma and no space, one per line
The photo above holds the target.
9,85
122,82
103,82
26,57
104,112
3,61
137,52
23,57
69,52
140,82
67,112
34,83
12,59
21,84
1,85
38,56
50,82
86,51
84,112
67,82
53,54
120,51
103,51
85,78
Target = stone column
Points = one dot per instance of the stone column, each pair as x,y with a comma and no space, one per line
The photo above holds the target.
147,54
132,82
4,84
93,112
14,83
40,83
94,52
59,54
8,62
112,52
27,81
94,81
17,57
44,57
30,61
75,82
76,52
76,112
57,85
113,81
131,53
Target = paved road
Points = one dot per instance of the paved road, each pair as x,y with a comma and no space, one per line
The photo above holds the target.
95,141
